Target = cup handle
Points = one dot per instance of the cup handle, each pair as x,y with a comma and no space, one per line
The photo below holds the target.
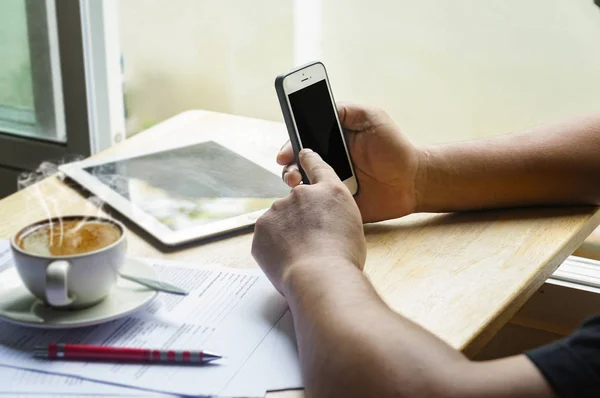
56,284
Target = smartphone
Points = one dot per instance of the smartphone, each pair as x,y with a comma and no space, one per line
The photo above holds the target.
312,119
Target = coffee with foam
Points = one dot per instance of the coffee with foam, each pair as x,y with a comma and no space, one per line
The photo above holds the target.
68,238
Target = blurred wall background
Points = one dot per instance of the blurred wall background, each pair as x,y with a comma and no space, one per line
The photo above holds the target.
444,69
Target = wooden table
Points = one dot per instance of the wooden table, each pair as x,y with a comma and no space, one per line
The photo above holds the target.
462,276
591,247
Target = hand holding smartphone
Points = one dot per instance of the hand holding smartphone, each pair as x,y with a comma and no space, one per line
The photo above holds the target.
312,120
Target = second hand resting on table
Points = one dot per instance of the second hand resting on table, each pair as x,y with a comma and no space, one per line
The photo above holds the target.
312,247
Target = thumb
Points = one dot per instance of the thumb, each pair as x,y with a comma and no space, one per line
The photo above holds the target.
315,168
353,116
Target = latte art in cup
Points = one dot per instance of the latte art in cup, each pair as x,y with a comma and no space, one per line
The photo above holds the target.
68,238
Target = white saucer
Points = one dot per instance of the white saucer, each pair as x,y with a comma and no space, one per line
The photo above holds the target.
20,307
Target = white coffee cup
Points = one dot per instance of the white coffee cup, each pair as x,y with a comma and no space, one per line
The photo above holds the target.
71,281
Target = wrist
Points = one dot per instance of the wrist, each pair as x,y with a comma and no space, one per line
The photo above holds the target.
422,176
314,271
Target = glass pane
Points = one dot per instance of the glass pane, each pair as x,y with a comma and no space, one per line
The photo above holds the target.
463,69
443,70
30,86
200,54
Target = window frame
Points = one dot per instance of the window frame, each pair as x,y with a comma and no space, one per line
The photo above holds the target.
23,152
91,99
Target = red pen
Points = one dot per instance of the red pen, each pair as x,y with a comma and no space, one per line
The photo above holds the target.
92,352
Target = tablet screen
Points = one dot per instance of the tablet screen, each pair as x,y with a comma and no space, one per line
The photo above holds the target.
192,186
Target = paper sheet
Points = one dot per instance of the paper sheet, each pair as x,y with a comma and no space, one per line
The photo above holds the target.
273,366
275,362
24,382
5,255
223,302
67,395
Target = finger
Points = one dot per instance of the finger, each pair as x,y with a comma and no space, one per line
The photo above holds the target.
291,175
355,117
348,114
293,178
315,168
286,154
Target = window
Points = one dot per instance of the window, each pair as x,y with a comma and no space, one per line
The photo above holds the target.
214,55
444,70
43,87
30,79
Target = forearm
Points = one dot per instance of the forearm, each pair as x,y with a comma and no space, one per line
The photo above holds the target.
352,345
551,164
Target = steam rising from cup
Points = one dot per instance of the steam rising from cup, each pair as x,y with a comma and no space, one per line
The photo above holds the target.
44,194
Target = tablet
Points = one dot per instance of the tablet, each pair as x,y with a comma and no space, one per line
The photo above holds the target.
182,194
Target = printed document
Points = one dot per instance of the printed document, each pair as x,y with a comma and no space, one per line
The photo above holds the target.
19,382
228,311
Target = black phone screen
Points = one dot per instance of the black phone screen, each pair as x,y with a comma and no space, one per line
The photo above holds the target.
318,128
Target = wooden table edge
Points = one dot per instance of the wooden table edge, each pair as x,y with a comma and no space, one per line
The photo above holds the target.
515,302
